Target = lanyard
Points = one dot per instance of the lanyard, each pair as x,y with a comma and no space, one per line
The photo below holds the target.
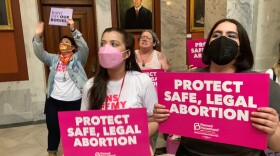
119,93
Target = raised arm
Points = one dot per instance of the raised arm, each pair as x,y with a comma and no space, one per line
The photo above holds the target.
83,51
38,46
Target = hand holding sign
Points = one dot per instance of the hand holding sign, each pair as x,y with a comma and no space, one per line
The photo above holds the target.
160,113
265,119
70,22
191,68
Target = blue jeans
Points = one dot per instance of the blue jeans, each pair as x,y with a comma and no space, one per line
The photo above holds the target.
52,107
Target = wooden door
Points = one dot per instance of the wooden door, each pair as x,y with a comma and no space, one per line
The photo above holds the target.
84,16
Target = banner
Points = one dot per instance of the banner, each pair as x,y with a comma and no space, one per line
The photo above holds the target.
214,107
194,52
105,133
153,75
60,16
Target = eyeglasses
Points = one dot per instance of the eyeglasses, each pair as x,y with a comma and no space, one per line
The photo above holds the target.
145,37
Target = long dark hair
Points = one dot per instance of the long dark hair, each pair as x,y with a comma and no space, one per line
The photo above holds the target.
97,92
245,59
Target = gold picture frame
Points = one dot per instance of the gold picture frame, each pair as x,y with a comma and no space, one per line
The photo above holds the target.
124,12
197,15
6,20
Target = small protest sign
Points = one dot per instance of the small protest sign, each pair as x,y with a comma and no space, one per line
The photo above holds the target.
194,52
60,16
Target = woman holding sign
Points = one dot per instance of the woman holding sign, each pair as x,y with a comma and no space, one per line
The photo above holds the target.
119,83
147,57
66,79
228,50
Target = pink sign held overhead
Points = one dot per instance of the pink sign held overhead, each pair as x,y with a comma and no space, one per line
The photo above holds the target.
194,52
105,133
60,16
214,107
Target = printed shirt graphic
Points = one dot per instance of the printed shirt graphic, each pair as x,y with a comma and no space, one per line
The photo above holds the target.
113,101
64,90
138,91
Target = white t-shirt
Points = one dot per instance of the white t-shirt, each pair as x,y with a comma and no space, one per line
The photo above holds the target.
64,88
138,91
270,72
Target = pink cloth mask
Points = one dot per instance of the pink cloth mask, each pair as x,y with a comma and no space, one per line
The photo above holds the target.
110,57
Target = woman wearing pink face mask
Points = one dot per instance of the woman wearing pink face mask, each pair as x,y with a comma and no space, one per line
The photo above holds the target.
66,79
119,83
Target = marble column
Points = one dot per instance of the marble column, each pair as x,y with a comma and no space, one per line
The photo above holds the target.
103,16
267,34
173,32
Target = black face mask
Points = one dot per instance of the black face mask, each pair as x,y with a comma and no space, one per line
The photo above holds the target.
222,50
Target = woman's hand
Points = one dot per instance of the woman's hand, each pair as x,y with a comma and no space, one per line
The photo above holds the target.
160,113
71,23
191,68
265,119
39,29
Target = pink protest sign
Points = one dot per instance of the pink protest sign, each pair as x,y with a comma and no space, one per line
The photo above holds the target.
59,16
105,133
195,49
214,107
153,75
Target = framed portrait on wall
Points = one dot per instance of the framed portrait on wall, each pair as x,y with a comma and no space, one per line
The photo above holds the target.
6,21
197,15
135,15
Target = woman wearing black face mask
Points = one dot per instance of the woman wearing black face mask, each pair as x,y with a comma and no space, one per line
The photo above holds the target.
228,50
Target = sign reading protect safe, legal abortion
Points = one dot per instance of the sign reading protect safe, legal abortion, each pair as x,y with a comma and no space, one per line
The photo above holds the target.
152,73
105,133
60,16
214,107
194,51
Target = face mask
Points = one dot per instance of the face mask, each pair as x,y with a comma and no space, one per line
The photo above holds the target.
222,50
110,57
65,47
66,58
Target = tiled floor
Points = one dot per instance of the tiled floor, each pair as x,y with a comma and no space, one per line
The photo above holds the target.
32,141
